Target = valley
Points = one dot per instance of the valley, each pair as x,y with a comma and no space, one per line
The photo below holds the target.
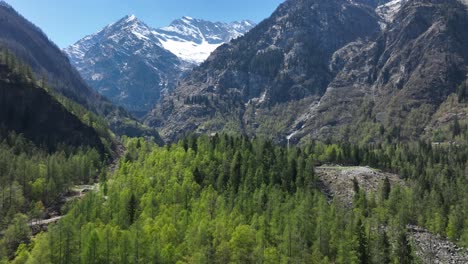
305,131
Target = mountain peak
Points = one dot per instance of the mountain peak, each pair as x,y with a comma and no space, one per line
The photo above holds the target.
187,18
110,59
130,18
5,4
245,22
126,27
126,21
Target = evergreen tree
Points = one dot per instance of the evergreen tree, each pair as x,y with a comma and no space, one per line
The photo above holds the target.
386,188
456,129
383,249
235,172
362,245
131,208
404,254
462,92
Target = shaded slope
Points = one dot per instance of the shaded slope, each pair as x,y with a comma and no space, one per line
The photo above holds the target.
28,109
32,46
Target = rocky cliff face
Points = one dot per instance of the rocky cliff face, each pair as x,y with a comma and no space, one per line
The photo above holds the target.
285,58
399,80
334,69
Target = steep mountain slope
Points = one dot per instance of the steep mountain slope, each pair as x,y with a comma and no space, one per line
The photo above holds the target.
126,63
319,69
394,84
28,109
32,46
48,62
133,64
285,58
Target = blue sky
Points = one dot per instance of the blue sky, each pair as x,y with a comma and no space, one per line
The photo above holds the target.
66,21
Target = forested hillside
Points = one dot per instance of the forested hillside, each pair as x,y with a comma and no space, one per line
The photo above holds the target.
47,144
30,107
225,199
47,62
32,180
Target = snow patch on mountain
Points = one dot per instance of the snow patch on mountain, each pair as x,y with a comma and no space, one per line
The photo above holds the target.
189,51
193,40
465,2
130,18
388,11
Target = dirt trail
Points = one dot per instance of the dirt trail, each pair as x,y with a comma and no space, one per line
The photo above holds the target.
336,181
75,193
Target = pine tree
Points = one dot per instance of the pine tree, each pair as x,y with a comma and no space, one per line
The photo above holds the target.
456,129
356,188
198,176
386,188
131,208
383,252
235,172
462,92
362,246
404,251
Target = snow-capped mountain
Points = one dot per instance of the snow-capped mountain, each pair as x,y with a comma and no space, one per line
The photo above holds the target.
132,63
193,40
126,62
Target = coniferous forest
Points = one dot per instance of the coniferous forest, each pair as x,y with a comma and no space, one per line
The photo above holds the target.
228,199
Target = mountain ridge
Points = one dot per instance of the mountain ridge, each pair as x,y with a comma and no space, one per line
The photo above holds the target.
283,58
198,32
125,62
30,110
274,95
32,46
133,64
